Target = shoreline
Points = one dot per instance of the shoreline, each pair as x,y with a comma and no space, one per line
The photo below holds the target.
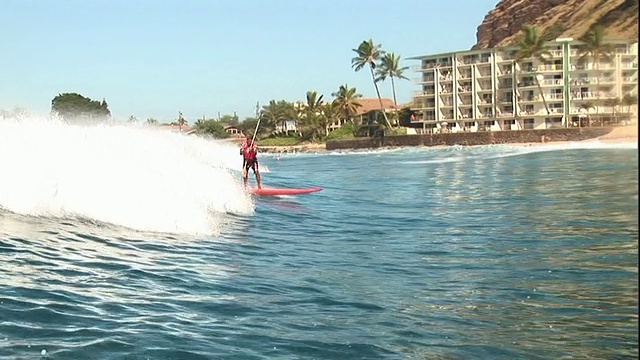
621,135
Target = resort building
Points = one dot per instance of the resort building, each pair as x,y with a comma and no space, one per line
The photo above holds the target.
484,90
368,112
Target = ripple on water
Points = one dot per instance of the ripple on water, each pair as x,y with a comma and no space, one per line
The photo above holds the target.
494,253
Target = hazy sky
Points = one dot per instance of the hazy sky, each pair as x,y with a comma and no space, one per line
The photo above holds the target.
153,58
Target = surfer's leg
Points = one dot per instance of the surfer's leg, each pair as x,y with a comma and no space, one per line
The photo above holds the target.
245,173
256,171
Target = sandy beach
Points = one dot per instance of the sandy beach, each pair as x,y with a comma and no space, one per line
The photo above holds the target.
620,134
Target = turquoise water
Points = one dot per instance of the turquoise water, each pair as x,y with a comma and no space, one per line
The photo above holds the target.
492,252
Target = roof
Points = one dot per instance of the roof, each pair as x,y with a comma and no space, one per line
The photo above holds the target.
509,47
373,104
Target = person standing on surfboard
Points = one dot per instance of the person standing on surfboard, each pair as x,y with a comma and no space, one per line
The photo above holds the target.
249,152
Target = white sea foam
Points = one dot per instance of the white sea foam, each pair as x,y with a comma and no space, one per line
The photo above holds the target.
134,176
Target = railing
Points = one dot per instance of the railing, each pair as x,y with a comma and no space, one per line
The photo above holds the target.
552,82
430,66
595,80
424,93
554,96
591,95
553,67
592,66
425,107
421,80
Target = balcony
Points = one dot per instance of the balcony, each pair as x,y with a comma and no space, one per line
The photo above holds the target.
484,115
464,89
424,67
424,93
542,112
505,114
593,81
592,66
550,67
465,102
592,95
526,84
423,107
425,118
418,81
552,82
530,98
553,96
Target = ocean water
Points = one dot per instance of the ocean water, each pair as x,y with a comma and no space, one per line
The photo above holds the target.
126,243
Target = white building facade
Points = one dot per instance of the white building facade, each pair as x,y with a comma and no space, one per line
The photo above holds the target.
483,90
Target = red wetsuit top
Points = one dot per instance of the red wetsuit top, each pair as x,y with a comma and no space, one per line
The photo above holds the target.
248,150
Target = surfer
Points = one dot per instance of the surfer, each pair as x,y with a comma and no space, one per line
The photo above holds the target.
249,152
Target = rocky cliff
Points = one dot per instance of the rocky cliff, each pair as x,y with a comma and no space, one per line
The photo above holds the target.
563,18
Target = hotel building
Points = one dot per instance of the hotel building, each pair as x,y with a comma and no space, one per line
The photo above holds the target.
483,90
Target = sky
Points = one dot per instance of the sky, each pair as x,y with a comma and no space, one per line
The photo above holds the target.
155,58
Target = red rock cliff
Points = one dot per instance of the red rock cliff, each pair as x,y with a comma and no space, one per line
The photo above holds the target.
563,18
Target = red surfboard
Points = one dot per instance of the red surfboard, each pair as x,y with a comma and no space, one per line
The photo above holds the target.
283,191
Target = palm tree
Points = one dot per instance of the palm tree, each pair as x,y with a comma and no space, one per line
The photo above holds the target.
613,103
346,99
313,119
594,46
369,53
390,66
629,100
330,112
152,121
532,45
277,113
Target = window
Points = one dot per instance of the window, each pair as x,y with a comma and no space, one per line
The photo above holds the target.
529,124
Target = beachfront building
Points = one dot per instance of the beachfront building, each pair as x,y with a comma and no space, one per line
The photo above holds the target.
369,112
483,90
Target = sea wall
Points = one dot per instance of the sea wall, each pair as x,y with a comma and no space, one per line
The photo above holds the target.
473,138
